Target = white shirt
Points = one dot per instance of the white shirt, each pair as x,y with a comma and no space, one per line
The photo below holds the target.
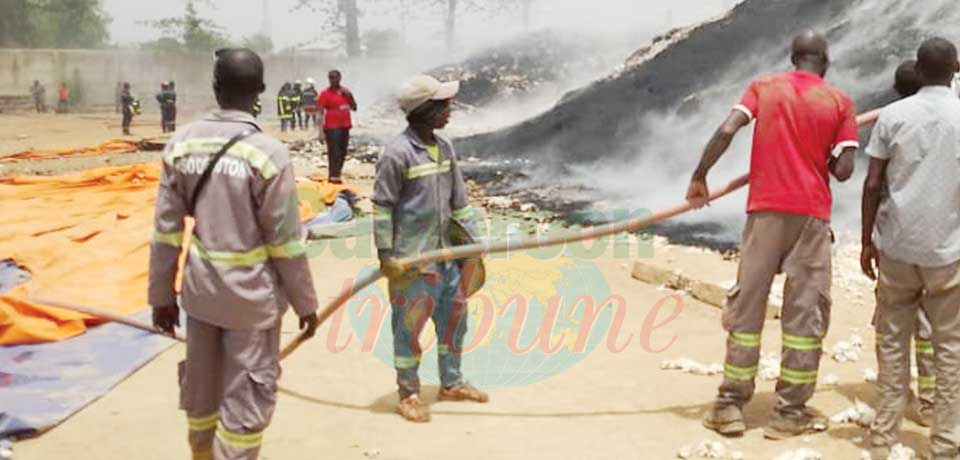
919,218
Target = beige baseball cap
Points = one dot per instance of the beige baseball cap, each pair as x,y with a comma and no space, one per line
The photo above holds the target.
422,88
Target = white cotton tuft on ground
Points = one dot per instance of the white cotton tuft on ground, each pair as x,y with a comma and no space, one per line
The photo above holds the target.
692,367
859,413
800,454
847,351
902,452
769,367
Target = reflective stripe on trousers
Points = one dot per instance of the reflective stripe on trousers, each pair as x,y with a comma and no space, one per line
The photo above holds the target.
228,389
800,247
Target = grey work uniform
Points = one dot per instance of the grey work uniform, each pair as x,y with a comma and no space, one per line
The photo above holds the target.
918,236
246,263
416,197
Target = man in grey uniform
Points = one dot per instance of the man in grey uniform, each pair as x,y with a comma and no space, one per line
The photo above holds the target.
246,262
418,194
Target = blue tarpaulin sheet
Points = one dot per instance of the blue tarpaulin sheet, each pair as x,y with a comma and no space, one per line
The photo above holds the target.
43,384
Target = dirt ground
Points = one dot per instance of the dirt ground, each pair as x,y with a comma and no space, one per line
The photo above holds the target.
608,406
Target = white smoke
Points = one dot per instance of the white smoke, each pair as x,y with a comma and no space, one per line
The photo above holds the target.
866,46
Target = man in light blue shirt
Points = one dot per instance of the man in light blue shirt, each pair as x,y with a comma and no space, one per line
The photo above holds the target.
911,231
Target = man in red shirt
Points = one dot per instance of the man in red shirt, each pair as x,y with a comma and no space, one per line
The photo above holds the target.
335,104
64,100
805,130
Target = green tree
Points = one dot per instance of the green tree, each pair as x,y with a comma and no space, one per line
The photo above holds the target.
53,24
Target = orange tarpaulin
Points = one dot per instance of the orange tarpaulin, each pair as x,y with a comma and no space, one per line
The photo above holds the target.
113,146
85,238
315,194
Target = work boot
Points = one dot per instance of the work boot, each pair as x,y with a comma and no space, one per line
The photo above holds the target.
464,392
783,427
726,420
920,413
413,409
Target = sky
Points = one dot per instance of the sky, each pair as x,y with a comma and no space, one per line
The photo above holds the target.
290,27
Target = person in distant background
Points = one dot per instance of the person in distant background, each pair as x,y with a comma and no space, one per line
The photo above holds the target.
39,96
297,100
167,97
172,116
63,101
127,101
335,103
285,107
164,106
309,101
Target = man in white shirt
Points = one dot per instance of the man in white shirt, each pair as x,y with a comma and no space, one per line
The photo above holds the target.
911,231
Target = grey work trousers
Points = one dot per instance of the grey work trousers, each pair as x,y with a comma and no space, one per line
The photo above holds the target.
902,290
800,247
228,386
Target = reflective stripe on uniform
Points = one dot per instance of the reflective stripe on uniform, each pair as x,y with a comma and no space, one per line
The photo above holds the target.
739,373
205,455
924,347
203,423
796,342
257,255
289,250
255,157
174,239
427,169
745,339
383,226
239,440
463,213
798,377
927,381
443,349
406,362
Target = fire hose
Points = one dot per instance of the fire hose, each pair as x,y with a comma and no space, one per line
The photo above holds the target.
455,253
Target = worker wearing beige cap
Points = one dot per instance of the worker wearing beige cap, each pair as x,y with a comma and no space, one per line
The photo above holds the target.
420,200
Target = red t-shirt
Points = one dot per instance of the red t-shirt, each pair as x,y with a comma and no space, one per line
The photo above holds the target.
801,122
337,107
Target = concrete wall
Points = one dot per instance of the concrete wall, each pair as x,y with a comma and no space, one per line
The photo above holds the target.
100,70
